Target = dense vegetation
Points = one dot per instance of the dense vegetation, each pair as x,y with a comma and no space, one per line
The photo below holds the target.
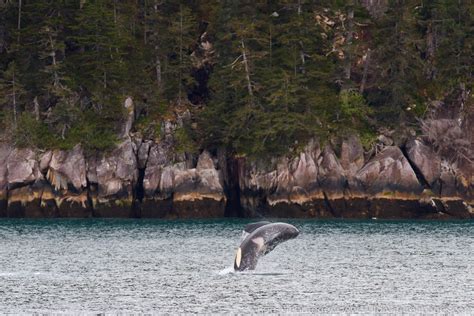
258,77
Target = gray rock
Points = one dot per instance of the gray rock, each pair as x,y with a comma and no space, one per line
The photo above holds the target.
331,174
425,160
389,173
5,151
23,168
45,159
130,108
117,173
68,168
142,155
158,158
91,165
204,181
352,156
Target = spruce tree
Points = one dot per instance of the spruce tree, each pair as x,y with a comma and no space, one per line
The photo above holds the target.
11,92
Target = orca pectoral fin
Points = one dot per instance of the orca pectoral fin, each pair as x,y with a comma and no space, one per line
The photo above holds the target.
238,258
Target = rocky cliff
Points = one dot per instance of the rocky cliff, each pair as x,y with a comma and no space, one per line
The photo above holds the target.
147,179
421,177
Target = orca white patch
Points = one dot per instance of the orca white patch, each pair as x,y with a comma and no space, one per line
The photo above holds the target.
259,241
238,257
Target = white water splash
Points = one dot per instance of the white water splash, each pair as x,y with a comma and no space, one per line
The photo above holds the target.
227,270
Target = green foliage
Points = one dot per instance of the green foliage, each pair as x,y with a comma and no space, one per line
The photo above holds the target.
32,133
92,132
353,105
264,99
354,117
278,72
184,142
11,91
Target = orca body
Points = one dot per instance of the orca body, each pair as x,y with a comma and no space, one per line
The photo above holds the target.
249,228
263,239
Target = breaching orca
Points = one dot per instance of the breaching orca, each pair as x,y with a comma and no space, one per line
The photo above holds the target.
249,228
262,239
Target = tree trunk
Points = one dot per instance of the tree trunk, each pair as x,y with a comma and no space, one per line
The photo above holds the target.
270,47
350,30
247,69
158,69
37,109
157,48
53,61
115,12
366,69
14,99
302,56
19,20
430,51
145,40
180,53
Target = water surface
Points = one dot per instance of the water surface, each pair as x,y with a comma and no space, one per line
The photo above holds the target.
184,266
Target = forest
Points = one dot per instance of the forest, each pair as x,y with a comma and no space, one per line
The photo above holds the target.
258,77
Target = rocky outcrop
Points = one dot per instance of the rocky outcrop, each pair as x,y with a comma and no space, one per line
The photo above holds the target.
177,189
386,178
4,153
25,184
321,184
430,176
113,180
283,187
448,187
66,173
150,179
426,162
389,172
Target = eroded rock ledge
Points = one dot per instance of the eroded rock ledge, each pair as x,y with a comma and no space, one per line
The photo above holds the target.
422,178
149,179
320,184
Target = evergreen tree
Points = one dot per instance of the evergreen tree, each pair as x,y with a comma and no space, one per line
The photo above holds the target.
11,91
399,66
280,72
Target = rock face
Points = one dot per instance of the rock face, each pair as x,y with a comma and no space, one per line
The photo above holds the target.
114,176
289,187
66,172
389,173
428,163
148,178
387,177
23,168
352,156
4,153
67,169
24,184
320,184
431,176
176,189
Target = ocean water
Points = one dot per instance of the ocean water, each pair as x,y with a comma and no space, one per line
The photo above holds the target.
153,266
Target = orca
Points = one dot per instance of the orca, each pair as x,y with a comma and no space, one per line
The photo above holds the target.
260,241
249,228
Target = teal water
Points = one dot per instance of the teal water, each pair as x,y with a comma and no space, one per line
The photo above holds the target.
125,266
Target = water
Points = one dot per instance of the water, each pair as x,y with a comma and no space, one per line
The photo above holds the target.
124,266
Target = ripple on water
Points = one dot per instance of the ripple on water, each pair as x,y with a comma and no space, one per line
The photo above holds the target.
186,266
